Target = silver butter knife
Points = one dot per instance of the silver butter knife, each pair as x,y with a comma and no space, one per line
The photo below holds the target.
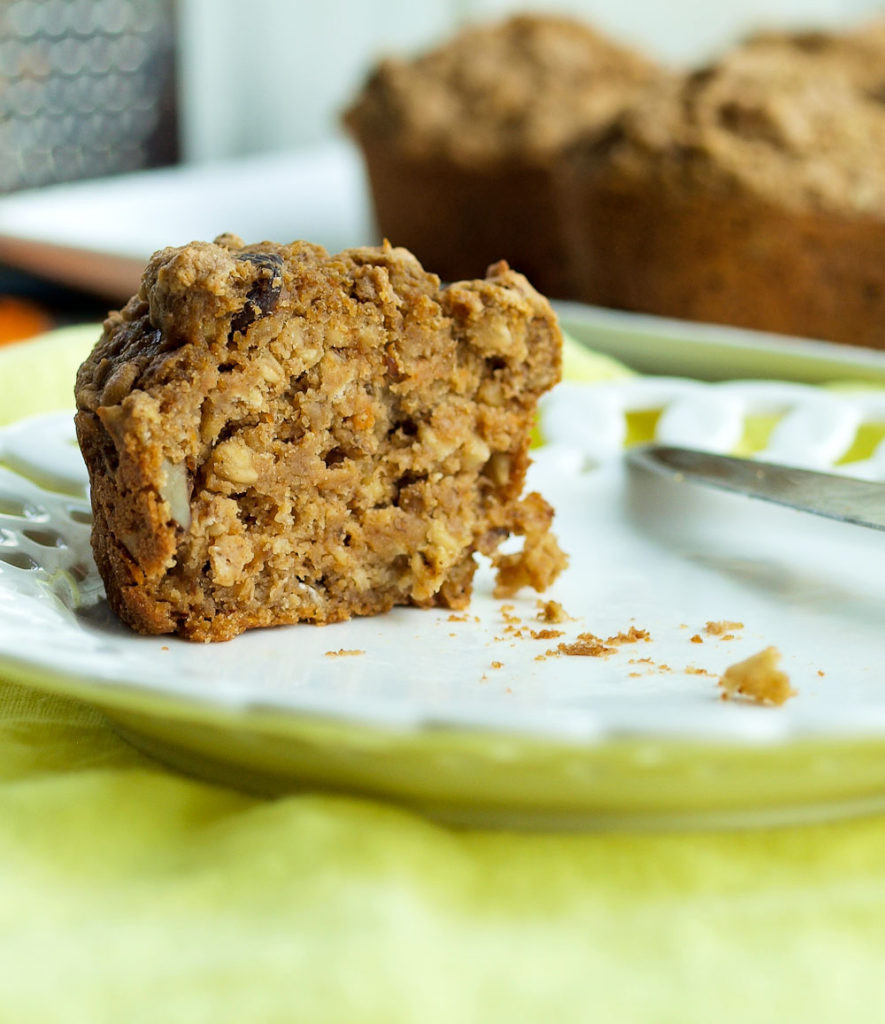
847,499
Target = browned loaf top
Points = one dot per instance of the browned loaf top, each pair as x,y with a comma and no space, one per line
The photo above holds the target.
521,88
275,434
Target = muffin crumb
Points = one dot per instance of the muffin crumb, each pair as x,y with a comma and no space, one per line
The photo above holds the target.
630,636
758,679
722,628
552,612
585,646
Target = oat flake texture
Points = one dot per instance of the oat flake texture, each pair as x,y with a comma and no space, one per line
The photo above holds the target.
275,434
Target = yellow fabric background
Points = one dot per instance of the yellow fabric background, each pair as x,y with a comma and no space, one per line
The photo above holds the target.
130,894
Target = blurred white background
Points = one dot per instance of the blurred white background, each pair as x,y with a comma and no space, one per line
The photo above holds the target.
275,74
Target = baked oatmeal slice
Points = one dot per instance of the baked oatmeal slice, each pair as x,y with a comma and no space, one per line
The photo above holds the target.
275,434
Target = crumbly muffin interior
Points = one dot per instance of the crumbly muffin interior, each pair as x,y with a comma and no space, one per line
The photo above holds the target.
276,435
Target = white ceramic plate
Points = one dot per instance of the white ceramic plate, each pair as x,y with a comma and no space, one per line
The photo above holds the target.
98,234
655,344
470,721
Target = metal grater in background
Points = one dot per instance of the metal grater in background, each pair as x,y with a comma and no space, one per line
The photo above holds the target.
87,88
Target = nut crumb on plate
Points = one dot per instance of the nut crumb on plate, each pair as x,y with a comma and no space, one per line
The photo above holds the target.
758,679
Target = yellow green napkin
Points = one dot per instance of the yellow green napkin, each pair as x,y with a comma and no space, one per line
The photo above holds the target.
129,893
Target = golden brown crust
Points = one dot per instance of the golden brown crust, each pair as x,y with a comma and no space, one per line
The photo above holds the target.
274,434
803,130
518,89
750,193
460,144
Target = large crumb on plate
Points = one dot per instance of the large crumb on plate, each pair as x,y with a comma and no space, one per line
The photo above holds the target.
758,679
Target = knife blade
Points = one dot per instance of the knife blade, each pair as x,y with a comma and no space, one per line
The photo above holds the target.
847,499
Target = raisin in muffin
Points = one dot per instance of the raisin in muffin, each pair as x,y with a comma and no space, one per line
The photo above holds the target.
752,192
461,143
275,434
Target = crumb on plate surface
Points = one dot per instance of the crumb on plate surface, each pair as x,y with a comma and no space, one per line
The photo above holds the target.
722,628
758,679
552,612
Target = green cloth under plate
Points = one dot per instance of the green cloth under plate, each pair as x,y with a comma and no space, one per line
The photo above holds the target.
131,894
